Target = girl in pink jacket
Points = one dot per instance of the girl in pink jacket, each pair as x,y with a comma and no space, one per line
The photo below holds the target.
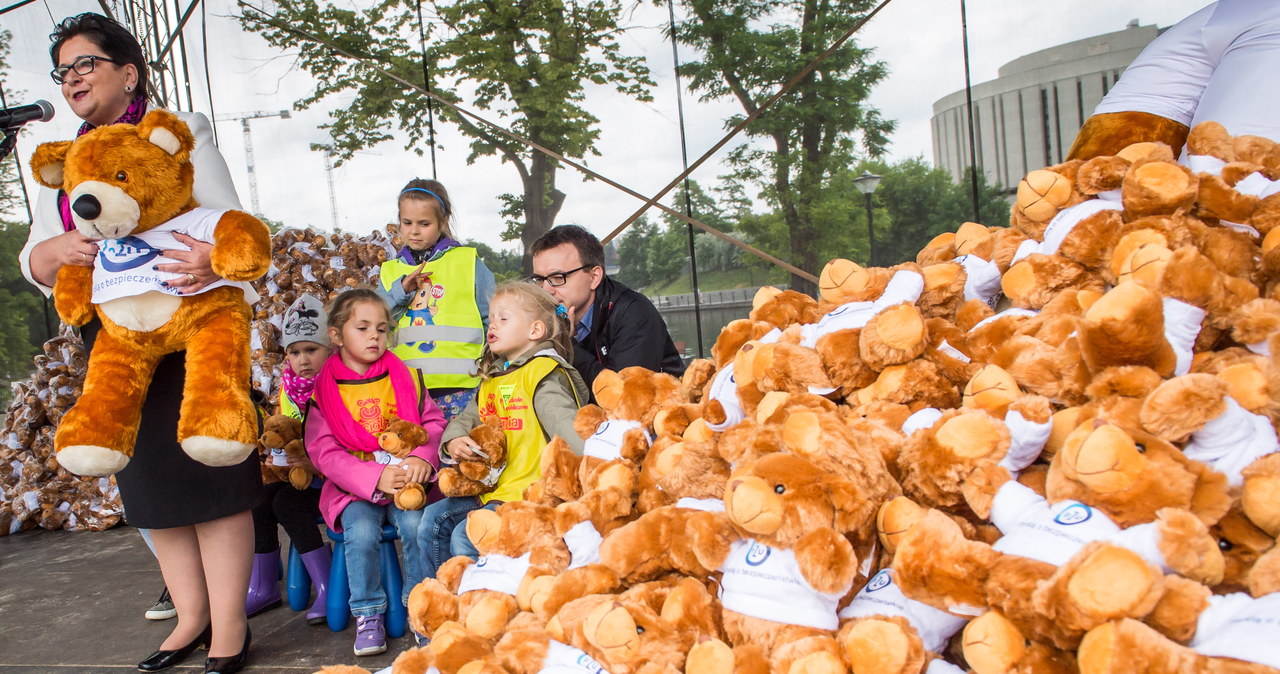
359,391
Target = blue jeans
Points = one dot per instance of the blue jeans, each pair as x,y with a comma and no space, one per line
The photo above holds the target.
443,531
362,528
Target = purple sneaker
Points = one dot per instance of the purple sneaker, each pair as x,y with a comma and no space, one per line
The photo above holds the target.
371,637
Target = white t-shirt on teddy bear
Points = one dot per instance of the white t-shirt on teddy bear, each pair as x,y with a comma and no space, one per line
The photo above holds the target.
882,596
1239,626
606,442
1217,64
1054,533
499,573
124,266
766,583
1232,441
566,659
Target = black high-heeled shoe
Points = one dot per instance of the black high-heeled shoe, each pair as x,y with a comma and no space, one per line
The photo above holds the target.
161,660
231,663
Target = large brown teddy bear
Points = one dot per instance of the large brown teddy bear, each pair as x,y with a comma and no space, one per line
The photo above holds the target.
786,560
123,182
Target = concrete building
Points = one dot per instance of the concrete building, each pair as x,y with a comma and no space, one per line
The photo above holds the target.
1029,115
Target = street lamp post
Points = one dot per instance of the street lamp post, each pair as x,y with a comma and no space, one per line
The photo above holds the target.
867,183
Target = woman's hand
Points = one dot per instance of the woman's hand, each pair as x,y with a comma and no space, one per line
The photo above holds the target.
72,248
193,263
391,479
416,469
463,448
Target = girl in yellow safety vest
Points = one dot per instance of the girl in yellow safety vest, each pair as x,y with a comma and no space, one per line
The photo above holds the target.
529,385
439,292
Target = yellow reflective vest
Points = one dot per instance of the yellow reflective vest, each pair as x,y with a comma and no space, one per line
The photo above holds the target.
441,334
509,397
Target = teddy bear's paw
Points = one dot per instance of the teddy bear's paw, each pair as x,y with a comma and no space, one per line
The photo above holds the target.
411,497
812,655
1111,581
94,461
711,656
216,452
1125,646
1188,547
992,644
1264,577
880,646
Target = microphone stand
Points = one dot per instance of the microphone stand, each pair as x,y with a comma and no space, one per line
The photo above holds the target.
9,141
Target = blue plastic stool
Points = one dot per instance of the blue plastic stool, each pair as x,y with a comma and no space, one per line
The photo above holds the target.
338,601
298,587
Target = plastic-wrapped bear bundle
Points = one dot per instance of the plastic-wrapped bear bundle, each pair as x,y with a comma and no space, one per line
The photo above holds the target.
34,490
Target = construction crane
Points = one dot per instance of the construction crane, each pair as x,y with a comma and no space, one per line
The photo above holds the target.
244,118
327,151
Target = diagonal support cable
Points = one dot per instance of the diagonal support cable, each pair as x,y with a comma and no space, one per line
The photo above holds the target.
804,72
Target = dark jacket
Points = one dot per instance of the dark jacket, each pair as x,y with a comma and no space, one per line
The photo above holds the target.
626,330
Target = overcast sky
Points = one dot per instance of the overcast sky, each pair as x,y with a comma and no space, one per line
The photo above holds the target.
639,144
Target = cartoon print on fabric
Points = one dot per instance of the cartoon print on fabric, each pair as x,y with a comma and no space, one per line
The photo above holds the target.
422,308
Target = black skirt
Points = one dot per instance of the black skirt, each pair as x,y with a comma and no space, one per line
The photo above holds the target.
162,487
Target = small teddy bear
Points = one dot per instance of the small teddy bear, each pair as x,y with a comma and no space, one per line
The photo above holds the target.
286,458
400,438
475,477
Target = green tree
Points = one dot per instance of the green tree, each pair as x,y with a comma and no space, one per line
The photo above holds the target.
528,62
22,316
916,202
633,255
505,264
809,136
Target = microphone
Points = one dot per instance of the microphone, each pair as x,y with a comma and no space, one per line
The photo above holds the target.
12,118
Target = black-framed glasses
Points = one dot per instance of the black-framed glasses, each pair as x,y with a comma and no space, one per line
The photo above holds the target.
557,279
83,66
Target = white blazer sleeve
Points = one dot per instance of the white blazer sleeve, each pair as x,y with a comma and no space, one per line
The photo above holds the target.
214,188
45,224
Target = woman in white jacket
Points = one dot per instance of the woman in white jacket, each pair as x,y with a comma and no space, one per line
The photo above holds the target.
199,515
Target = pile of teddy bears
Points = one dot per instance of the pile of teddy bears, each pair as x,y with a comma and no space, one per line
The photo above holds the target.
1048,447
34,490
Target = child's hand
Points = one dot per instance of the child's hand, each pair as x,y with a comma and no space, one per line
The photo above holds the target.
413,279
464,448
392,479
416,469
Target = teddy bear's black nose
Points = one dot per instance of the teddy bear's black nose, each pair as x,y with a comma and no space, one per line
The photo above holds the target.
87,206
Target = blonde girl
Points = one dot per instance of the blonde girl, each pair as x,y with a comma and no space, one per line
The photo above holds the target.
439,292
527,381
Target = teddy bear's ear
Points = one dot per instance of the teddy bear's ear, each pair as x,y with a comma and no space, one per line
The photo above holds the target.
47,163
164,130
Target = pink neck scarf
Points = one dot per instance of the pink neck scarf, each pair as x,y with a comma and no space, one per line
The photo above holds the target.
352,435
297,387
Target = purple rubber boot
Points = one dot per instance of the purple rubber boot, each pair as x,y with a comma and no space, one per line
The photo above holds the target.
264,584
317,563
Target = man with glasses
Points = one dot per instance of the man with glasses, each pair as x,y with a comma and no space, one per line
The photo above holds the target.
614,326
